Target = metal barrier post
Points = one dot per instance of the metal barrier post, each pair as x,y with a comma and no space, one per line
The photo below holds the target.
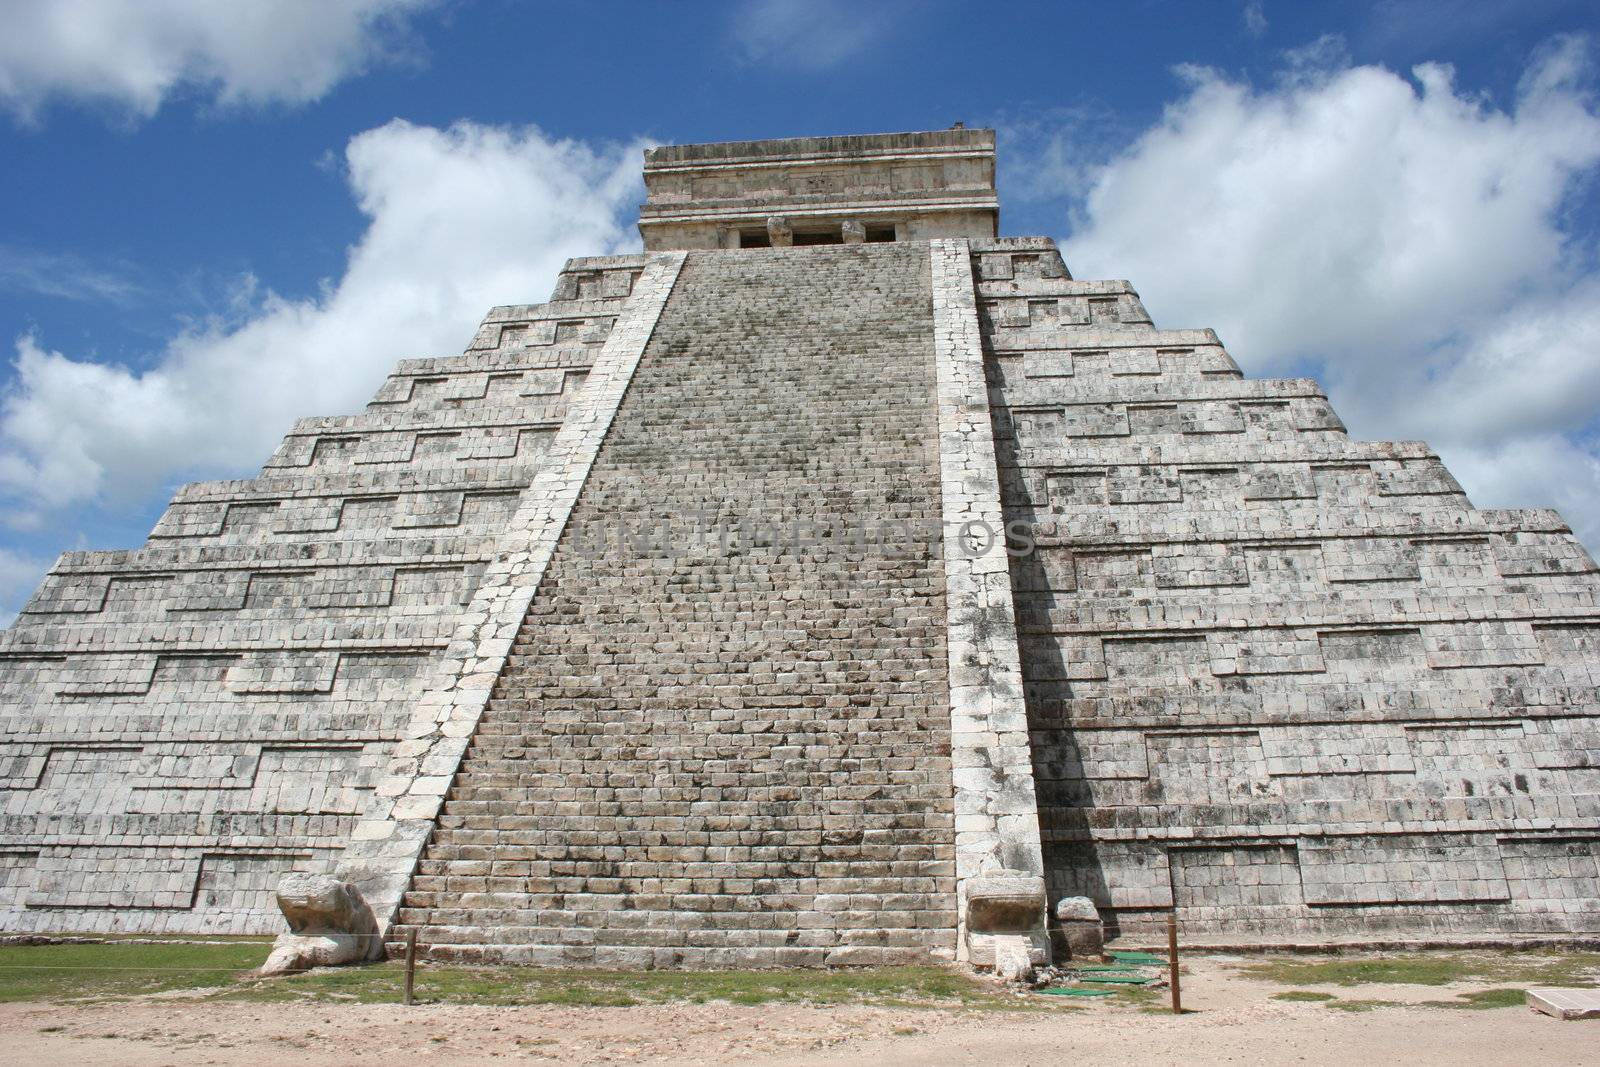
1172,961
411,963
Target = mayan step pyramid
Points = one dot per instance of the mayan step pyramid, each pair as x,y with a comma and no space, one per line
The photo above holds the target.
833,582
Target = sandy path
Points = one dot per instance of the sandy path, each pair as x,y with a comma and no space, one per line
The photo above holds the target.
1234,1021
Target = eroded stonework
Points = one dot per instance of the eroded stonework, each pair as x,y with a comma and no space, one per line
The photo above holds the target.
826,190
564,650
187,722
712,745
1279,680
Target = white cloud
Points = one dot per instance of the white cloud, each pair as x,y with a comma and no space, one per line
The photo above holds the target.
66,276
1044,151
1255,18
1405,238
461,219
19,576
1533,470
809,35
133,54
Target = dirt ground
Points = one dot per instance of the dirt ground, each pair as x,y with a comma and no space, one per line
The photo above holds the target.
1232,1019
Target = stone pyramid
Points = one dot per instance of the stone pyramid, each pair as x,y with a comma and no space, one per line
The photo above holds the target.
834,582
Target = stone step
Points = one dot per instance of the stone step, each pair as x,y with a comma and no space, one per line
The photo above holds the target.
636,958
652,704
686,929
565,356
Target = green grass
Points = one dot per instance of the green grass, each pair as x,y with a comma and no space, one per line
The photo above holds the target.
222,971
1148,1000
453,984
1483,998
1431,968
1475,1001
1363,1005
1523,968
64,972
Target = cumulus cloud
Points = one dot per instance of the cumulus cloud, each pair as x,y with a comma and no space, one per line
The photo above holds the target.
1403,238
19,575
460,219
809,34
133,54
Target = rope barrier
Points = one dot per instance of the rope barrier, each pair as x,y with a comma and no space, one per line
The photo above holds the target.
60,967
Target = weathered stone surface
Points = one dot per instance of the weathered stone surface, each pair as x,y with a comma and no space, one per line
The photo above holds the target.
729,745
897,186
1076,910
1005,902
1078,932
1566,1004
1001,911
184,723
1014,958
997,827
1282,681
329,924
385,846
1237,665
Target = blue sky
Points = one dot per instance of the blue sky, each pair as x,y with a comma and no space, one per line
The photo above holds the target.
217,217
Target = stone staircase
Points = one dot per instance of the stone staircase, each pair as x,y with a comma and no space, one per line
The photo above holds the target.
731,753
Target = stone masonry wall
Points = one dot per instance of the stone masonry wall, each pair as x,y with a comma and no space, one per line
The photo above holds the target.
182,723
1282,681
398,820
736,751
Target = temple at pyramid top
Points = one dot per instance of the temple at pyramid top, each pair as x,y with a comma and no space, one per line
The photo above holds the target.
820,190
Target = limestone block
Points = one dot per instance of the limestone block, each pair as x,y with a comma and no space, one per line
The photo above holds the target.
1009,901
1078,933
1565,1003
1005,917
329,924
995,265
1013,958
1535,552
